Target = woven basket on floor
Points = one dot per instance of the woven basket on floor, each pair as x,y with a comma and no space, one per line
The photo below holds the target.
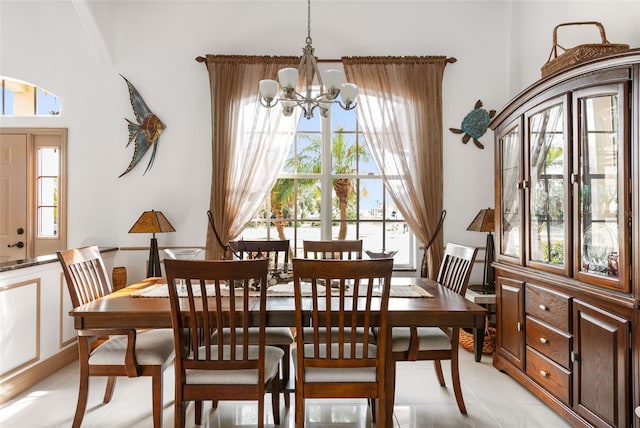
488,346
578,53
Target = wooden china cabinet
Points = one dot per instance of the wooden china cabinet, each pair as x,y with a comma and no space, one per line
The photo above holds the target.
568,240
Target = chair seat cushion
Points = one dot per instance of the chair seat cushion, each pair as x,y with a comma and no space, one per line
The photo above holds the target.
308,335
272,336
153,348
430,338
333,374
272,358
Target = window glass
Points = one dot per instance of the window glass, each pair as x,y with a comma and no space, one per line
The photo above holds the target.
23,99
510,198
548,190
598,212
47,180
308,153
47,103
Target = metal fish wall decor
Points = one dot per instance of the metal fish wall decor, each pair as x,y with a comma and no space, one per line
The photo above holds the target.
145,133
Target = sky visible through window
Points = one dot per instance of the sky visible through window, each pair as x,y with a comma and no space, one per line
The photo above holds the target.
346,119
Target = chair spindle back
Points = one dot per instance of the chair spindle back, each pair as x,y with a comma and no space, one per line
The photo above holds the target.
206,308
276,251
342,309
456,266
85,273
336,249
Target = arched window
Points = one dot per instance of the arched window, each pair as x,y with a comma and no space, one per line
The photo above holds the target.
24,99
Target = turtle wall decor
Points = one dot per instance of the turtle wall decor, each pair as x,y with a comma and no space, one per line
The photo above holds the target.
475,124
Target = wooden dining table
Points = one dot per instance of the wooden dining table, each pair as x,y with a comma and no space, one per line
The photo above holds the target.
444,308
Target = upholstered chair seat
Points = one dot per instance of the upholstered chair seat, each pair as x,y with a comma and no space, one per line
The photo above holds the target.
153,347
272,358
429,338
332,374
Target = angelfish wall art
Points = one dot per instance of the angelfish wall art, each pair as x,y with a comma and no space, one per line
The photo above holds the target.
145,133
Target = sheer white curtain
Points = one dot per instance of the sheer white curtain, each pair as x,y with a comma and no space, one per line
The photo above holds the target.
400,111
249,143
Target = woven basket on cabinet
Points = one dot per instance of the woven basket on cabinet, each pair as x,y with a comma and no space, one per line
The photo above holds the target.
578,53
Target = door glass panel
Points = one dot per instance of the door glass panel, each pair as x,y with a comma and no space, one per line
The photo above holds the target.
48,169
510,198
598,206
548,190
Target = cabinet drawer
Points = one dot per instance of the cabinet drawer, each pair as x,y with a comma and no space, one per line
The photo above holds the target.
548,306
549,341
551,376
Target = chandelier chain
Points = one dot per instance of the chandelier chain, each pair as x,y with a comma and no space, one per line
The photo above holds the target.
309,21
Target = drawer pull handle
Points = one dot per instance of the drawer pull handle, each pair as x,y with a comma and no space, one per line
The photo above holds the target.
519,326
543,340
543,307
544,373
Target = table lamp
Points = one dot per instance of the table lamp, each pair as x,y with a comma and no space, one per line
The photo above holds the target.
483,222
152,222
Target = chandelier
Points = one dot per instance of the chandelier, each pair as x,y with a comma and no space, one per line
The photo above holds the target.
332,84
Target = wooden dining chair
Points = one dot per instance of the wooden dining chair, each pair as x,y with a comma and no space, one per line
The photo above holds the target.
438,343
112,352
337,249
206,368
343,364
277,252
334,249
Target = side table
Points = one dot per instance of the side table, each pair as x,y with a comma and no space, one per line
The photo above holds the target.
485,300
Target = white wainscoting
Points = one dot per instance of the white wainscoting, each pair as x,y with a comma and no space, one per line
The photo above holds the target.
20,319
37,334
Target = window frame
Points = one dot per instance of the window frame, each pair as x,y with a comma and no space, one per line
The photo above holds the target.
326,177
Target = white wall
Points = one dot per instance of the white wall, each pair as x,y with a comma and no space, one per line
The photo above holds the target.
76,49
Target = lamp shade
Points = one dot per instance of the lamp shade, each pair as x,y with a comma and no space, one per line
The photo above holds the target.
483,222
268,89
333,79
152,222
349,92
288,77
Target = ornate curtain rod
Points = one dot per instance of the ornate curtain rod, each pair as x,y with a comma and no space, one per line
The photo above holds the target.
450,60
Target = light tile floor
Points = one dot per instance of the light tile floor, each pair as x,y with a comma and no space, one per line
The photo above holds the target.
493,399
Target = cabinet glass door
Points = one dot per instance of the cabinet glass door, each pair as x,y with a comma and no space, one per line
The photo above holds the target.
548,195
510,186
601,203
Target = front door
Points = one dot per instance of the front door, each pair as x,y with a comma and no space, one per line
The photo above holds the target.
13,197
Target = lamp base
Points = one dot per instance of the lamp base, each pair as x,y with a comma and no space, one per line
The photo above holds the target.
153,268
489,280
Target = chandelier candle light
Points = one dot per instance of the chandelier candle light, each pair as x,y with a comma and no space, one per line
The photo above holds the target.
332,84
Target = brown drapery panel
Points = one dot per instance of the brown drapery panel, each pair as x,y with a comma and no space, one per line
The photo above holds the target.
400,110
249,142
